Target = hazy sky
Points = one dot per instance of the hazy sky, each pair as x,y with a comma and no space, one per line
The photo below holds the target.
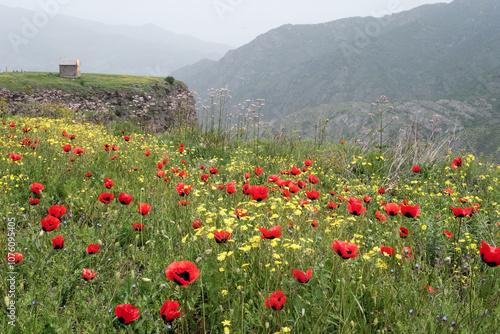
233,22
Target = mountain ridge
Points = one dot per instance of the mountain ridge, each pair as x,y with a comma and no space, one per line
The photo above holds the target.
112,49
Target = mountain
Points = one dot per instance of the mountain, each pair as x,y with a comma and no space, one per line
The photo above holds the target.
35,41
433,52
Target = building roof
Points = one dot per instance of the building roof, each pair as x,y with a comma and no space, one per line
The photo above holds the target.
68,62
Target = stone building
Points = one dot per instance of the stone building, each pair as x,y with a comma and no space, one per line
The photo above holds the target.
70,68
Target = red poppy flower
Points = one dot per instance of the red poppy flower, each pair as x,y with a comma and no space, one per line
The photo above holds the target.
293,188
272,178
50,223
231,189
387,250
410,211
222,236
126,138
106,198
204,177
461,212
431,290
15,157
302,277
57,210
407,251
213,171
383,203
182,189
456,163
72,159
276,300
392,209
258,170
355,207
307,163
34,201
247,175
160,173
448,191
380,216
14,257
301,184
196,224
66,148
274,232
403,232
78,150
367,199
258,193
144,208
126,313
138,227
312,195
381,191
88,274
344,249
332,205
169,311
312,179
36,188
490,255
92,248
448,234
125,199
108,183
58,242
341,198
416,169
241,213
12,125
184,202
475,207
181,149
332,193
342,142
182,273
295,171
147,153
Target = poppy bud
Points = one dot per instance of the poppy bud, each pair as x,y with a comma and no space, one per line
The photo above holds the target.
132,273
146,279
99,242
41,233
117,244
117,275
7,301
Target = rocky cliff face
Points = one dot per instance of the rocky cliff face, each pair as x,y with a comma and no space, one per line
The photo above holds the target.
158,107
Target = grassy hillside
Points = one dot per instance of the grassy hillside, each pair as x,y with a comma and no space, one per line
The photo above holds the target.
105,222
87,82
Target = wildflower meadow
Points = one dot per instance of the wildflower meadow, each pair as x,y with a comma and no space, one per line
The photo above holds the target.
107,229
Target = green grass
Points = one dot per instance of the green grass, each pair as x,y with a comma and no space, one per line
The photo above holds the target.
87,82
366,294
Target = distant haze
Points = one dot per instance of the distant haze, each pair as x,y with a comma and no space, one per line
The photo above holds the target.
233,22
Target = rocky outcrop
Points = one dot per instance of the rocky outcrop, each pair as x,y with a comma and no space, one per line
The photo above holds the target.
158,107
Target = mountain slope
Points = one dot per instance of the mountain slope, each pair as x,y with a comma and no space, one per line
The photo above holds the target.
426,53
141,50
